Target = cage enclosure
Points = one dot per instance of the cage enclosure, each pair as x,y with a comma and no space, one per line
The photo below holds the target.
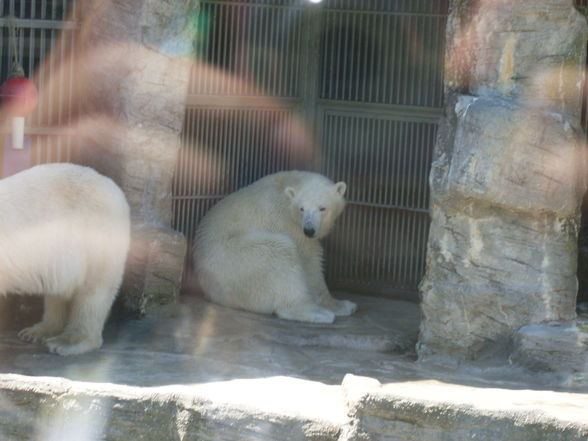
360,83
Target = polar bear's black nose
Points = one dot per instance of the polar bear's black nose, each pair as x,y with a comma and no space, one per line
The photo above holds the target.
309,232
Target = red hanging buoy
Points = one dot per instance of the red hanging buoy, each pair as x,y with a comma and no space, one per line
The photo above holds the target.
18,94
19,97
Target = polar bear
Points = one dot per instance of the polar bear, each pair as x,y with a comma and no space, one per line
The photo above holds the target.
258,249
64,234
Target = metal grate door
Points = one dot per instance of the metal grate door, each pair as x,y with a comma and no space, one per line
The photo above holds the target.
367,77
40,25
379,100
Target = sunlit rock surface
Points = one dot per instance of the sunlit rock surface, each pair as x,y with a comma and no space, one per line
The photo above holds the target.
507,178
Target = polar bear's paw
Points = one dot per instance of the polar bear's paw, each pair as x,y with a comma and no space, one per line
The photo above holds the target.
38,333
71,343
307,313
343,307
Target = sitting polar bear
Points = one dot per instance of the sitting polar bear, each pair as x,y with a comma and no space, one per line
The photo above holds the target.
258,249
64,234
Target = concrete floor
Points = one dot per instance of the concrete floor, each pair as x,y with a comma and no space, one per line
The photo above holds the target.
198,342
288,368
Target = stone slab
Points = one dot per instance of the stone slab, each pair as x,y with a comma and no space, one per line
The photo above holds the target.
545,347
434,411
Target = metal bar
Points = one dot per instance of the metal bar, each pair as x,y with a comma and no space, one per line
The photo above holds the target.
42,77
418,167
44,8
236,102
394,42
71,79
410,167
378,71
31,40
52,93
201,118
339,70
212,50
416,95
251,5
385,111
427,64
21,40
246,49
366,61
388,13
243,44
273,66
234,49
400,145
405,81
257,139
39,24
226,49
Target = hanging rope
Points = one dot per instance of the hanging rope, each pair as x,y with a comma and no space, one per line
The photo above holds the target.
13,34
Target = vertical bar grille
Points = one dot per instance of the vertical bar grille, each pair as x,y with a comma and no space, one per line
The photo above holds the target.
382,235
256,43
376,89
224,150
40,25
384,56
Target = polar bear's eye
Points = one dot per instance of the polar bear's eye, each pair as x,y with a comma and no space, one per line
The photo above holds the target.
301,208
322,208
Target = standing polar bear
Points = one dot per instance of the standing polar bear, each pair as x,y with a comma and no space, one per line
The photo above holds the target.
258,249
64,234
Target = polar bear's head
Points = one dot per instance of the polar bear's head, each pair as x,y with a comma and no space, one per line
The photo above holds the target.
315,205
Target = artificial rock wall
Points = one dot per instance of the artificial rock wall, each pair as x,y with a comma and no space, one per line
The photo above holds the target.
132,60
507,177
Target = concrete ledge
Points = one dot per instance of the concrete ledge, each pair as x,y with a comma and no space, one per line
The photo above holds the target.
434,411
57,409
285,409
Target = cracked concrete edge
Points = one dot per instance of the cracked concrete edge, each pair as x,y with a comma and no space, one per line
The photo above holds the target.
55,408
285,409
433,411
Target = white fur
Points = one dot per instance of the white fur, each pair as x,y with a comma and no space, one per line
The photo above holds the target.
64,234
251,251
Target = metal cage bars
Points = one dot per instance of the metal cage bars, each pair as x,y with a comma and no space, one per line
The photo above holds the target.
40,25
367,75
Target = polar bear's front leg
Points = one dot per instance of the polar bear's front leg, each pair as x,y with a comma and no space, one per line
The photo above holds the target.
53,322
83,331
316,282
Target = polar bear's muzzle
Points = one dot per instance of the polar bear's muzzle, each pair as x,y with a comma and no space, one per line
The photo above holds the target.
311,223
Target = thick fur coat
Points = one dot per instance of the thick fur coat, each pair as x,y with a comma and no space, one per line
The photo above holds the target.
258,249
64,234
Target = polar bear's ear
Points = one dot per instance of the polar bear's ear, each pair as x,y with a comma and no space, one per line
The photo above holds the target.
290,192
340,188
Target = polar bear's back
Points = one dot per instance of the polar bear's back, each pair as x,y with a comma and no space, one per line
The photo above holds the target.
60,225
260,205
59,188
